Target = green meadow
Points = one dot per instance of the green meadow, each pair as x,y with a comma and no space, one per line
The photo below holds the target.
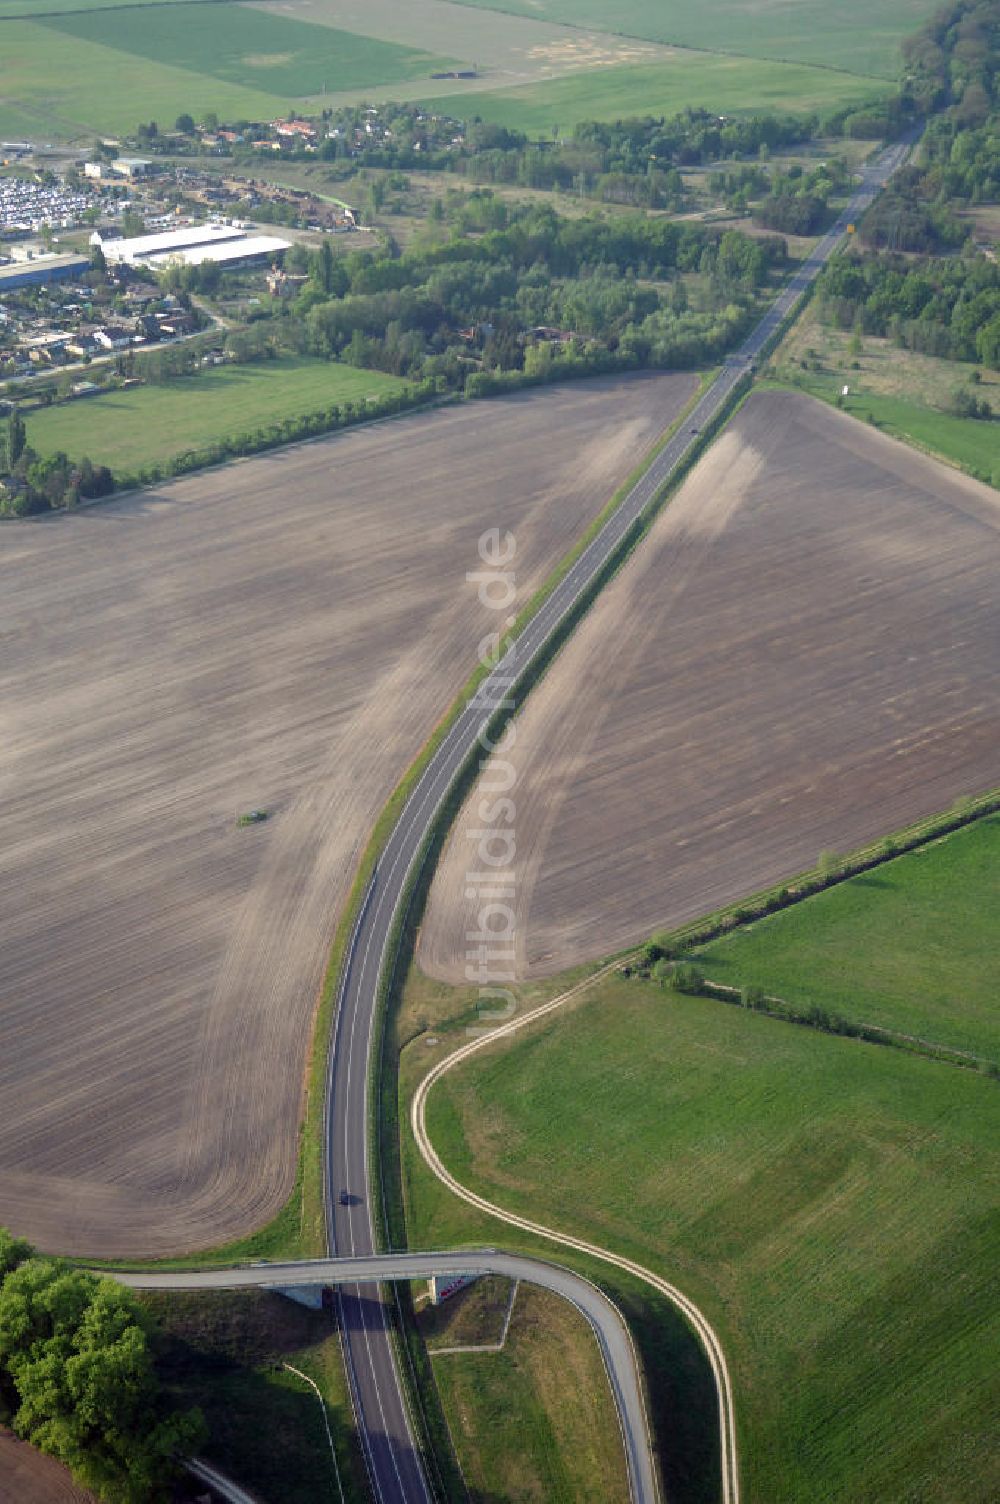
968,443
71,74
830,1205
909,946
146,425
29,9
55,85
251,48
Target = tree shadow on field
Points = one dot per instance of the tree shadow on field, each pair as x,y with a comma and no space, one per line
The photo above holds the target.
683,1406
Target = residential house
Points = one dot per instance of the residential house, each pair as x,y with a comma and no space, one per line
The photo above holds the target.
114,337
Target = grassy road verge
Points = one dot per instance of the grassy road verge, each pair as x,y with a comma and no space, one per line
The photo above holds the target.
538,1414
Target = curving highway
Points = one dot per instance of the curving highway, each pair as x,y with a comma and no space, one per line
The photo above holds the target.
394,1464
612,1334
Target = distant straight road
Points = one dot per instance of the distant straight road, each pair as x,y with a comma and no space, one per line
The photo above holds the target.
387,1437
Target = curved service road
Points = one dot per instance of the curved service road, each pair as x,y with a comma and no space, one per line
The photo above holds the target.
612,1334
394,1463
699,1323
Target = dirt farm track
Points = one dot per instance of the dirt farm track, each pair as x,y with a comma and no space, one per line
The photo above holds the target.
281,634
803,655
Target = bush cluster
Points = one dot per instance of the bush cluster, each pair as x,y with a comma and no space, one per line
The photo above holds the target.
77,1378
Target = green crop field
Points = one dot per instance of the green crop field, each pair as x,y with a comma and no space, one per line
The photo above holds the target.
71,74
861,37
907,946
829,1204
28,9
148,424
252,48
726,84
55,85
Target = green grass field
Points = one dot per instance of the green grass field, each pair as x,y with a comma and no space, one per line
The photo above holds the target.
828,1204
969,443
148,424
726,84
251,48
538,1414
861,37
907,946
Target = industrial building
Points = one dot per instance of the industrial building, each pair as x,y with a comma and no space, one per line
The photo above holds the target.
134,249
228,245
121,167
43,269
248,250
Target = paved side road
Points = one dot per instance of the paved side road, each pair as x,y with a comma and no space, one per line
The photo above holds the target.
394,1464
218,1482
612,1334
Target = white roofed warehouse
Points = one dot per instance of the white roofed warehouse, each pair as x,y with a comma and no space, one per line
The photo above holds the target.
249,250
193,244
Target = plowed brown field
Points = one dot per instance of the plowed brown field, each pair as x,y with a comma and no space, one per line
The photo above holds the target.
29,1477
803,654
284,634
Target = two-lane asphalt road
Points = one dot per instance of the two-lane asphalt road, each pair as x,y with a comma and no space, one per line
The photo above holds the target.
394,1464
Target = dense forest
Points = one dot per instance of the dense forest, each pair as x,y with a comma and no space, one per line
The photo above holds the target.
944,305
953,76
507,278
947,307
